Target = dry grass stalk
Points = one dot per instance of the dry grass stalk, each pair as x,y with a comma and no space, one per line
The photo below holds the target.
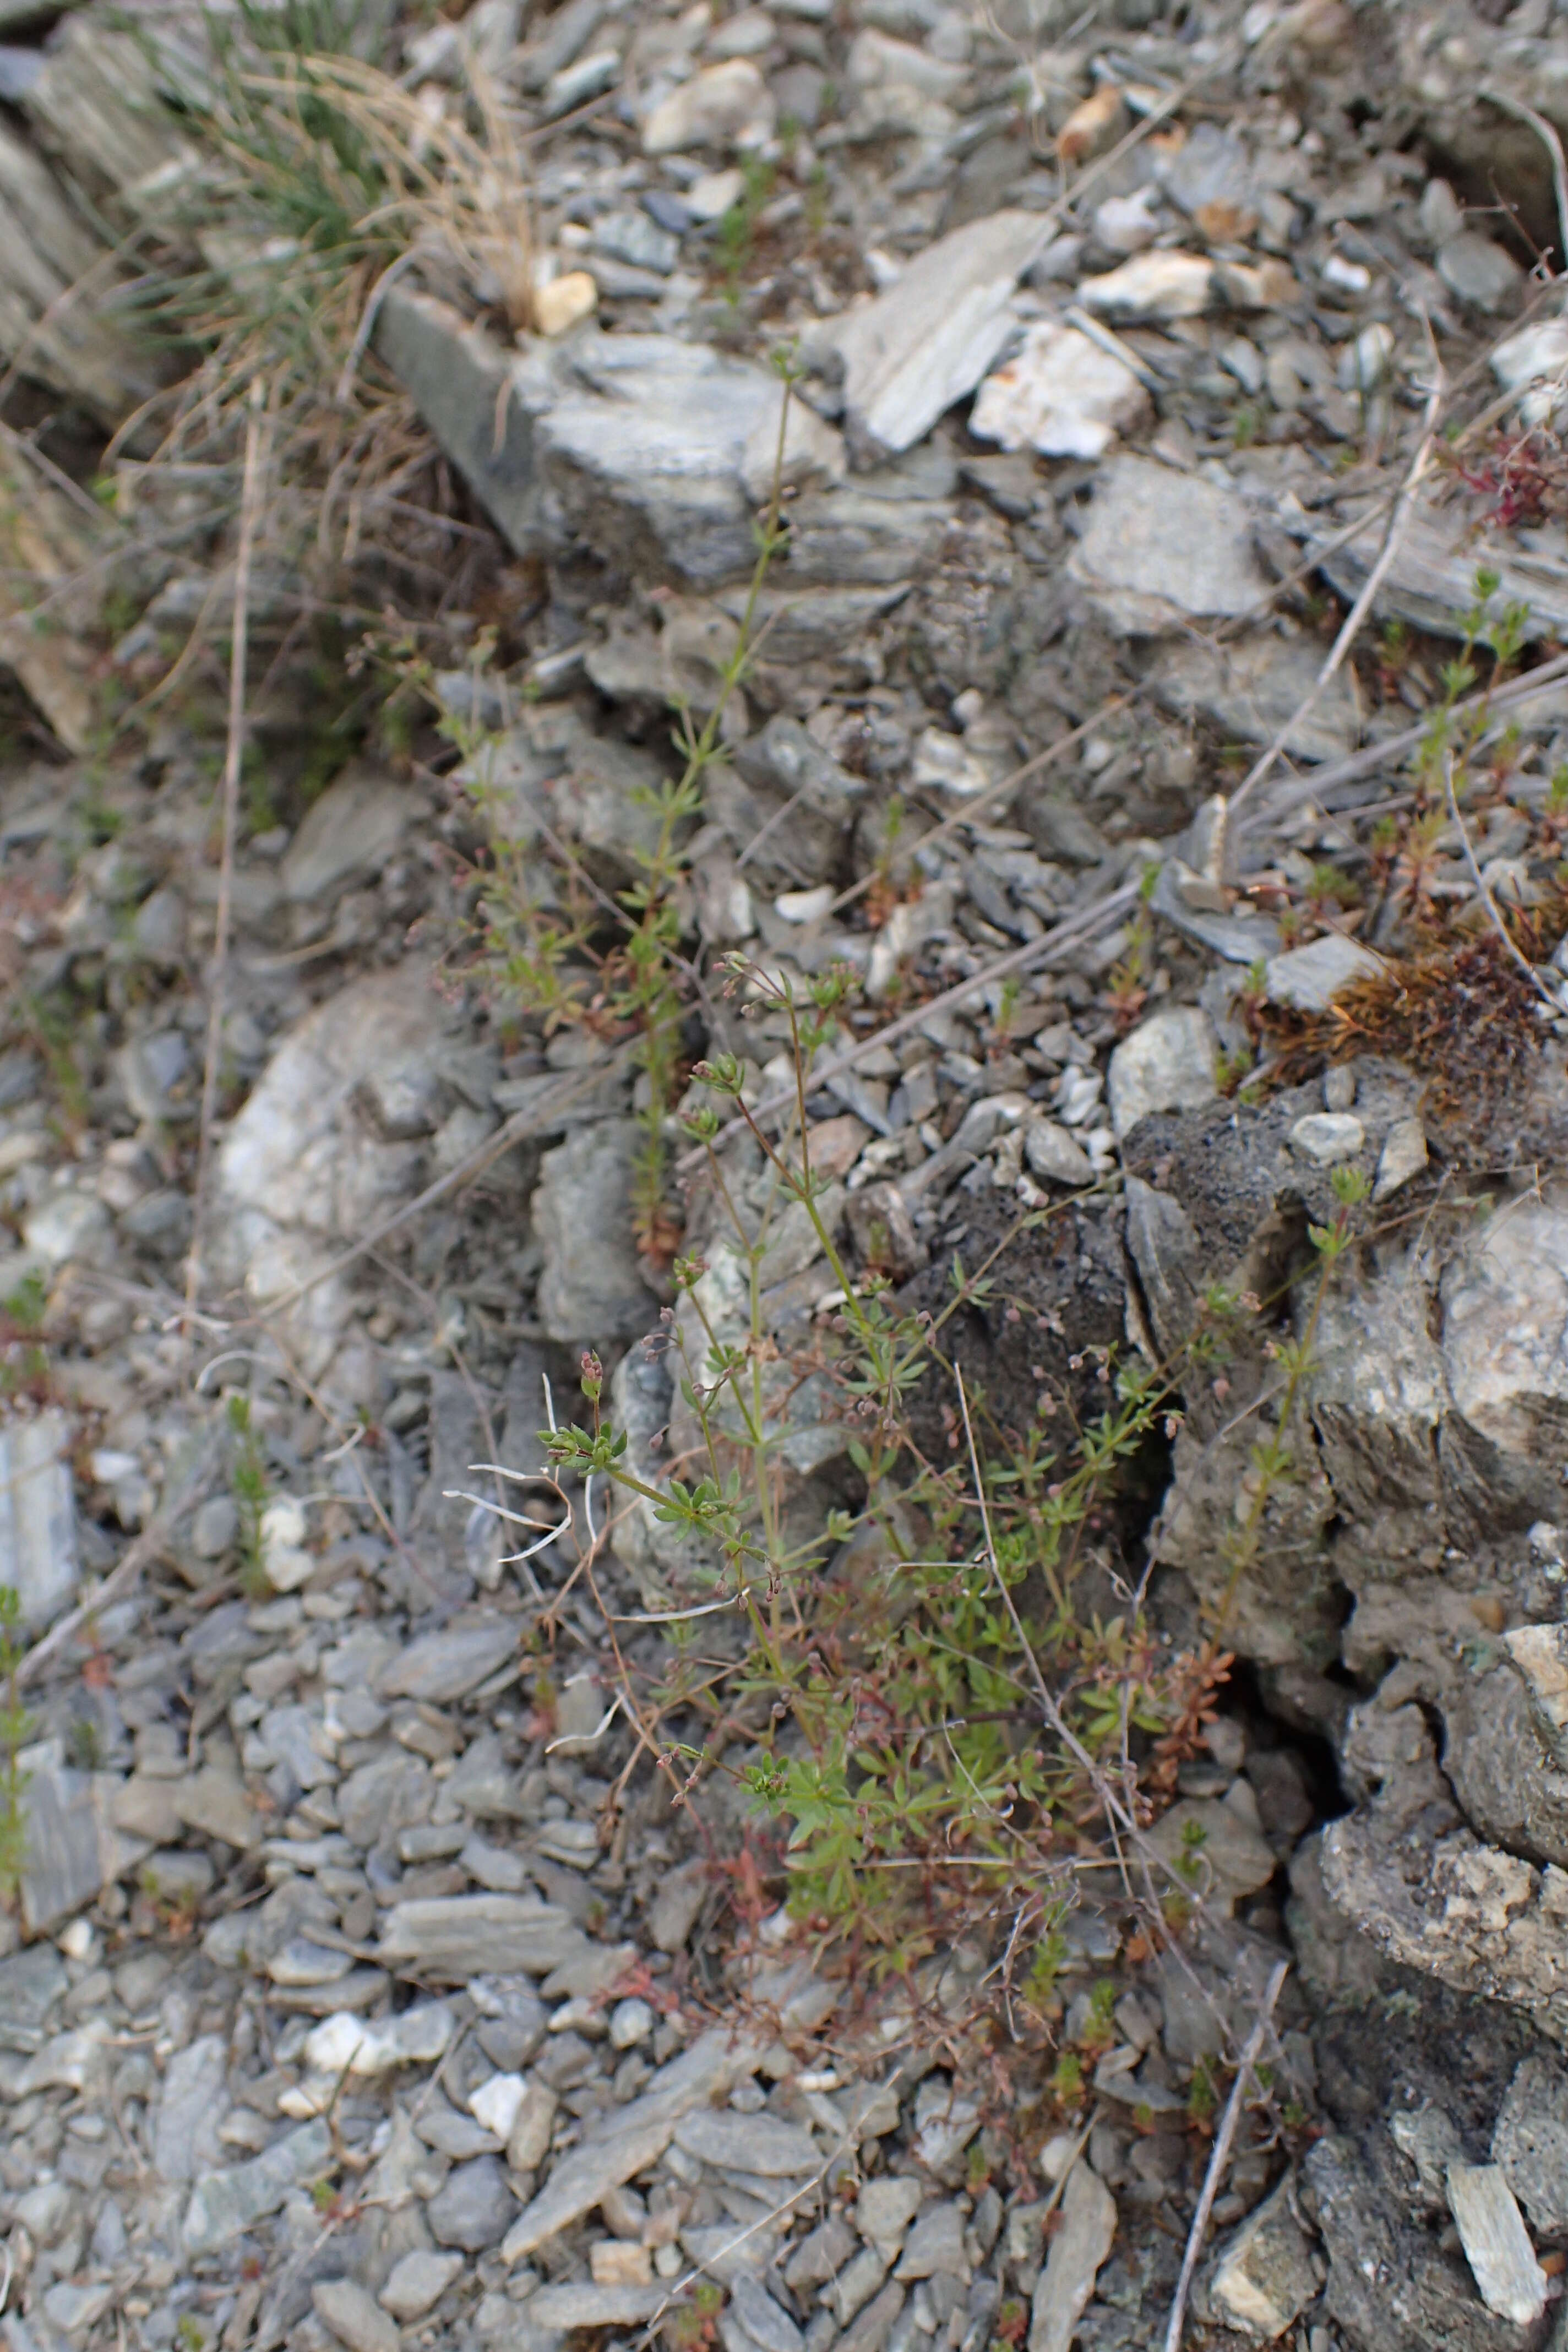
250,515
1398,520
1223,2140
330,181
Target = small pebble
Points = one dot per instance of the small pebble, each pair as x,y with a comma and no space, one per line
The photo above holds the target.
631,2022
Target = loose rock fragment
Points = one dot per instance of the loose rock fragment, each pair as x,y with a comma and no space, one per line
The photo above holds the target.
37,1518
354,2317
710,111
914,351
1327,1137
1078,2250
194,2102
1159,544
1403,1155
1093,123
1213,1851
592,1287
450,1939
223,2205
884,2211
1478,271
1264,2279
1496,2244
1062,396
417,2282
74,1845
561,302
473,2206
1308,979
934,2247
1150,286
584,2305
1166,1064
1054,1156
757,2144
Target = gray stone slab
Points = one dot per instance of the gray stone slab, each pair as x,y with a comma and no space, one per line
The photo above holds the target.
450,1939
223,2205
193,2103
447,1666
759,2144
926,343
1162,546
31,1982
1078,2250
37,1518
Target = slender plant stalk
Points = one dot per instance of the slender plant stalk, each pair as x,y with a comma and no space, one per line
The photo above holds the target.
233,762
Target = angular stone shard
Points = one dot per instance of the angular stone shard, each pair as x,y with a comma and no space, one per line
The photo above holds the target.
1264,2279
1496,2244
1078,2250
914,351
1539,1656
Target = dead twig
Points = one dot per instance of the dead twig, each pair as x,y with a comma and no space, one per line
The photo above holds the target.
1487,901
1069,933
1351,628
520,1125
249,512
1360,765
1548,135
1221,2157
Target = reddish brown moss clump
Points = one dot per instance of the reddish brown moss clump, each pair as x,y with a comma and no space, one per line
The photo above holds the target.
1457,1010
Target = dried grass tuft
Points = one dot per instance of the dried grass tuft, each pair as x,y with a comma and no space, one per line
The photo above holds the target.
1461,1015
325,179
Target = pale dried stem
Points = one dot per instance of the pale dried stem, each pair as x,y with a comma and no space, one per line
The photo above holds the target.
234,753
1547,134
1398,522
1067,933
1487,901
1224,2139
1360,765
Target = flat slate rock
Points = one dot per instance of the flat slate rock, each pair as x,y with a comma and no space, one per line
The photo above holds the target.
440,1667
760,2144
31,1982
225,2205
582,2304
926,343
634,2136
456,1936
